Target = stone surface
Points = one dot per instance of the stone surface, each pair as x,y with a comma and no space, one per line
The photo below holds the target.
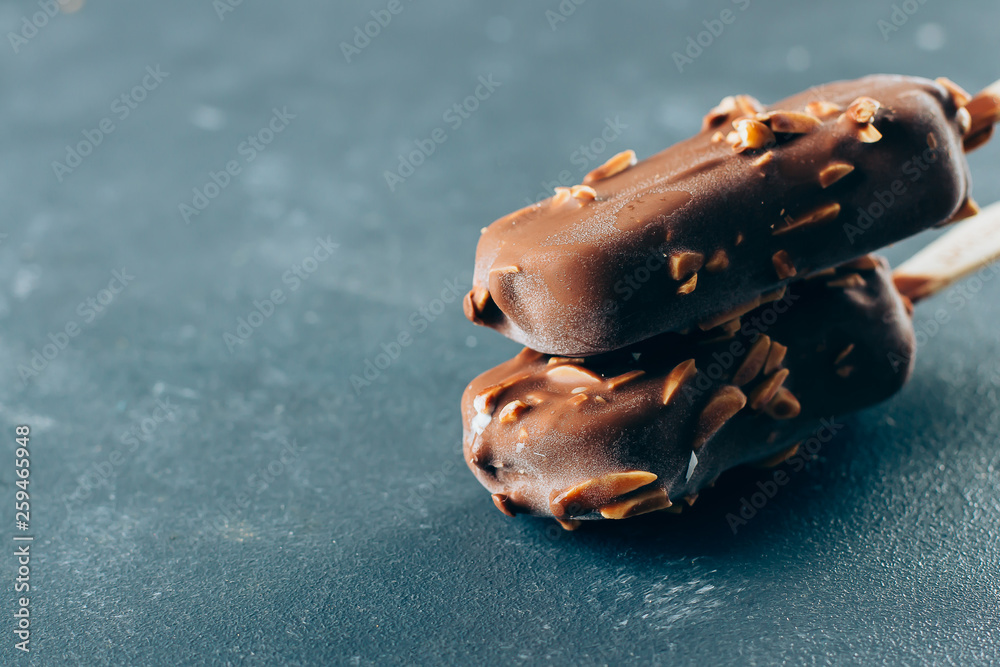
274,514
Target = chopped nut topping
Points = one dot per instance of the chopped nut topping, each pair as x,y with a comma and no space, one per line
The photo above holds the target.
718,262
822,108
565,360
753,362
572,374
974,140
615,165
690,499
688,286
578,399
475,302
739,238
863,263
781,457
765,391
486,401
932,141
964,120
822,273
725,403
843,353
833,172
512,412
845,371
583,192
598,491
793,122
718,137
968,209
647,501
775,357
718,114
683,264
851,280
863,110
823,213
958,94
681,373
503,504
784,405
569,524
562,196
765,158
748,105
752,134
783,265
533,399
729,315
624,378
868,134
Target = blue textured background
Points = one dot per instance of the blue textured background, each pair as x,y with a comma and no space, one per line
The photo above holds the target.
274,514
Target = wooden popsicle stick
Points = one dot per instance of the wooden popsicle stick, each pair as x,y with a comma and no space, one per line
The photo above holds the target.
984,113
968,247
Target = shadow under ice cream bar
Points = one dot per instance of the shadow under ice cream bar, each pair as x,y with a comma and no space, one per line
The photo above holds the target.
716,225
645,428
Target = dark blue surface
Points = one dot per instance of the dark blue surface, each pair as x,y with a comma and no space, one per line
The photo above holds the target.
270,513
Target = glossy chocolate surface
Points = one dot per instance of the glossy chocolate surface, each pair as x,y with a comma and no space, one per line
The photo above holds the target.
537,426
710,225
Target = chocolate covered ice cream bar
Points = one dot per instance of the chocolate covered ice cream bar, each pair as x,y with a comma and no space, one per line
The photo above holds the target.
716,225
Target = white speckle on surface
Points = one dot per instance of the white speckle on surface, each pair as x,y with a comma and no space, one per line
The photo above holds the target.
482,418
519,448
499,29
692,464
208,118
798,59
930,37
25,281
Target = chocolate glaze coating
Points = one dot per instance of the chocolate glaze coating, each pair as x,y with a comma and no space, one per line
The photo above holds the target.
531,433
704,228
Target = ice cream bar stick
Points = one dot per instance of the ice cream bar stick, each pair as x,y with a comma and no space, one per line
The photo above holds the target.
970,246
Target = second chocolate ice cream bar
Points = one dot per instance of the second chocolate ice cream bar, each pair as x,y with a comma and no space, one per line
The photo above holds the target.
716,225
